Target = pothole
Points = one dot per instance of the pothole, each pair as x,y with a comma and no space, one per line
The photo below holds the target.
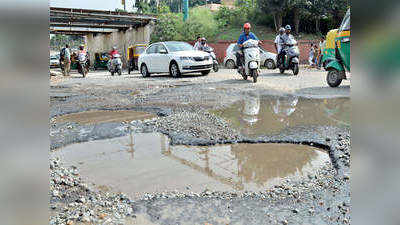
145,163
267,115
103,116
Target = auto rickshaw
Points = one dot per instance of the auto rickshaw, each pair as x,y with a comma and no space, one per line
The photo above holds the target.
338,67
133,54
101,60
328,54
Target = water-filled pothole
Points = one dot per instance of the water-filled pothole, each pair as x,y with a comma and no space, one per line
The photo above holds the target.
141,163
267,115
103,116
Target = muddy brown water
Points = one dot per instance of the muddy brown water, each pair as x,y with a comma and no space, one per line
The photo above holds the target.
103,116
266,115
146,163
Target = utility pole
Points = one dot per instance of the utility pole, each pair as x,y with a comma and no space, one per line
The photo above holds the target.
123,3
185,10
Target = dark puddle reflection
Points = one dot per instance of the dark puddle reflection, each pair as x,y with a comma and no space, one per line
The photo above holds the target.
268,115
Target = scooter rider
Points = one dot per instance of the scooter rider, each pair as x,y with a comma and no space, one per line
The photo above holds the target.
113,52
246,35
202,45
279,45
287,37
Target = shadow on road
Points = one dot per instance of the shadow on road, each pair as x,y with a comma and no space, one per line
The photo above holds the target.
276,75
343,90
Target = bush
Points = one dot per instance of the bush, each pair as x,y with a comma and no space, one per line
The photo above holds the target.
170,27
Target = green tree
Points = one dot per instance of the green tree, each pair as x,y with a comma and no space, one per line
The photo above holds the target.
298,8
275,7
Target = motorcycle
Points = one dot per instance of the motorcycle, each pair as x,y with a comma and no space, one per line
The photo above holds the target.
210,50
251,60
115,65
83,67
291,59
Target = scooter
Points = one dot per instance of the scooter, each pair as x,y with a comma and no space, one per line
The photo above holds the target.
291,59
115,65
210,50
82,65
251,60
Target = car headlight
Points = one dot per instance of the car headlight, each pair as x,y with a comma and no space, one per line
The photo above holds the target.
185,58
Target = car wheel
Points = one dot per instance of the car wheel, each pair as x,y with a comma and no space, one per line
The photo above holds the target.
174,70
230,64
144,71
204,73
270,64
281,70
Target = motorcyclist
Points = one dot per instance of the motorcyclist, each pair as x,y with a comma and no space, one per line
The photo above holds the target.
202,45
279,45
287,40
82,51
113,52
246,35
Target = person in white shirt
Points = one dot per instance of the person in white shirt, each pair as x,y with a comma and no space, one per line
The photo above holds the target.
196,45
279,44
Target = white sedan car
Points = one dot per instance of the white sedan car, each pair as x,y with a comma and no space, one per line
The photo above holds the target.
268,59
175,58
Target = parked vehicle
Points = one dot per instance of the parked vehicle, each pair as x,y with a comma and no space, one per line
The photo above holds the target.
175,58
268,59
251,60
133,54
115,65
210,51
101,60
82,64
337,67
291,59
328,54
54,61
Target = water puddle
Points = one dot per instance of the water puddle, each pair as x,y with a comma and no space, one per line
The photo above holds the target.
103,116
266,115
145,163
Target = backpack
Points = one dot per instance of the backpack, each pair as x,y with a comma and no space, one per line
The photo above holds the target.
62,54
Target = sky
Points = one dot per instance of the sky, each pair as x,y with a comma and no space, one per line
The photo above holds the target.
92,4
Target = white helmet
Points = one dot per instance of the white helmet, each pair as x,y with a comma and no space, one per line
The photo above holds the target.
281,29
287,27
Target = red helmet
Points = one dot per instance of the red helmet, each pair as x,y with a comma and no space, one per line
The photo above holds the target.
246,26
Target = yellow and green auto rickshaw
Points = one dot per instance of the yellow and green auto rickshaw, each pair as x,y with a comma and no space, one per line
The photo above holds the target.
328,54
101,60
133,54
337,68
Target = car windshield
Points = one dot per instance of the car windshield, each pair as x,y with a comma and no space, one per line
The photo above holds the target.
178,46
53,57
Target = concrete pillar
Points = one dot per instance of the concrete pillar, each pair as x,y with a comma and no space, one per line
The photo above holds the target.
121,39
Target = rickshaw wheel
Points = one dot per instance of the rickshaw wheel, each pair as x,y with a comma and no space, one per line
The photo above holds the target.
334,78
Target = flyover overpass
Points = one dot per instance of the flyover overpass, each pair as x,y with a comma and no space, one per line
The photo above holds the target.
102,29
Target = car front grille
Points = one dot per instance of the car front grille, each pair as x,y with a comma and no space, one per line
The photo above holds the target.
198,67
201,58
